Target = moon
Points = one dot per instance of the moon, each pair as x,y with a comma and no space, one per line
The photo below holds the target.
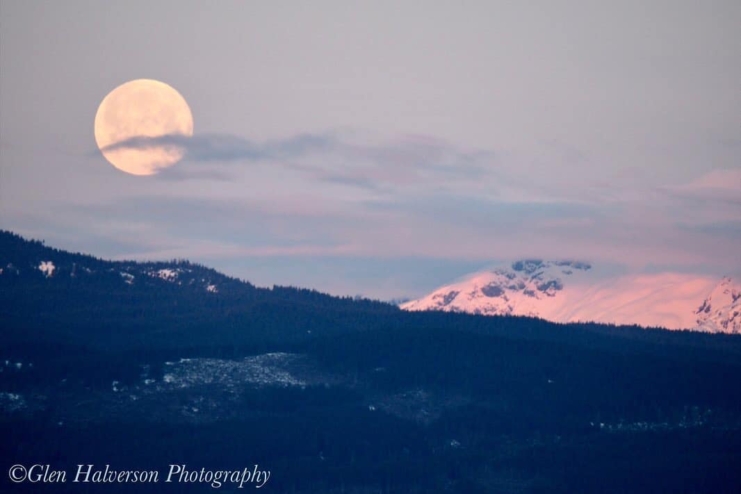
140,126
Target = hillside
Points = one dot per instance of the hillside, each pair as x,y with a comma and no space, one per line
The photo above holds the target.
151,367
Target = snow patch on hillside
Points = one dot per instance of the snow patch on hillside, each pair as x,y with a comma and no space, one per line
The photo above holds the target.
47,267
165,274
12,402
270,369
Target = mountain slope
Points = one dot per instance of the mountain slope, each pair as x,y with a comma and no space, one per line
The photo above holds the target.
76,297
340,395
571,291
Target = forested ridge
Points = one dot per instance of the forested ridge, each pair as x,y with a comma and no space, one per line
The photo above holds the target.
145,364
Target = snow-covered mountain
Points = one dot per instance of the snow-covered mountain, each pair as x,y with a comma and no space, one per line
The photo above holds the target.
721,310
572,291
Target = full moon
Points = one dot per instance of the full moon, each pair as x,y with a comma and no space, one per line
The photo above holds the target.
140,126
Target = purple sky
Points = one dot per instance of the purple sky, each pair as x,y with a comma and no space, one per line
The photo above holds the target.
380,149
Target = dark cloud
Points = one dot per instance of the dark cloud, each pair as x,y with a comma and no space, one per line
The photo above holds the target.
226,147
325,157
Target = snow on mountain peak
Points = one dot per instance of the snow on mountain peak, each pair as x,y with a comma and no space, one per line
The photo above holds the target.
573,291
721,310
523,287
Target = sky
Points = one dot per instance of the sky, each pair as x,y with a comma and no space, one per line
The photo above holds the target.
384,148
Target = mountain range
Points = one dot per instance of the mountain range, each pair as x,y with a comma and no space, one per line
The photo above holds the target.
143,364
577,291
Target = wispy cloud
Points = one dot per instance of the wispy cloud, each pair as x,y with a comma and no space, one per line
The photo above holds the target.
225,147
404,162
716,185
